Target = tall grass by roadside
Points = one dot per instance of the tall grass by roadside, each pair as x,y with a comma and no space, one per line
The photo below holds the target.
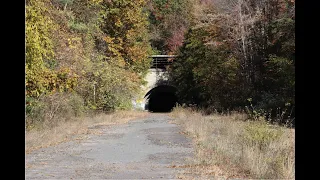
250,149
51,110
62,117
75,128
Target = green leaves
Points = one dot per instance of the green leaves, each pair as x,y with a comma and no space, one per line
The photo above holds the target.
259,134
206,75
109,87
39,47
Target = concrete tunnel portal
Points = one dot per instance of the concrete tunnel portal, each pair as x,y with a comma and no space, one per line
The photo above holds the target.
162,98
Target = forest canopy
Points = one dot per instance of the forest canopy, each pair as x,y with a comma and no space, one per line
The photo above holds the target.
93,54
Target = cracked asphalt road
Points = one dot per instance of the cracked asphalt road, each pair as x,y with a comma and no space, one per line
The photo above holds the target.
142,149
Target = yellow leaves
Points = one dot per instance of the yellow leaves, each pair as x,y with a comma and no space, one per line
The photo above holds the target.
39,46
137,53
78,63
115,41
95,2
48,81
126,26
115,48
118,23
65,80
108,39
73,42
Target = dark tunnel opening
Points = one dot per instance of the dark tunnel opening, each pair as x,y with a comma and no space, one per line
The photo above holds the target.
161,99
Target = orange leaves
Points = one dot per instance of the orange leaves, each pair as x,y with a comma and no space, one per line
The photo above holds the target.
137,53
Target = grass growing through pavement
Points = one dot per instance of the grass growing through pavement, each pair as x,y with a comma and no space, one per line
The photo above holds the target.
230,146
48,134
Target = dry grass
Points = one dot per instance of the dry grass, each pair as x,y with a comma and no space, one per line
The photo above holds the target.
230,147
75,128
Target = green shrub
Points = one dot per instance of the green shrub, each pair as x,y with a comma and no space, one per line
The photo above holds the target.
78,26
259,134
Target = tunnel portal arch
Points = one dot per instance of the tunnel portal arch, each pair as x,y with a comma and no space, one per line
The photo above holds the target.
161,98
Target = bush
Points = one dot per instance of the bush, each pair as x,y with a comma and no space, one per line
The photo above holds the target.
48,110
79,27
108,88
260,135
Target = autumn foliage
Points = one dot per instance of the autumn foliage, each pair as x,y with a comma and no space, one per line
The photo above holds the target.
237,50
169,20
229,51
94,50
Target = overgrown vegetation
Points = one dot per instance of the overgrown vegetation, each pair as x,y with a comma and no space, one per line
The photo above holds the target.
169,20
236,50
241,148
76,128
83,56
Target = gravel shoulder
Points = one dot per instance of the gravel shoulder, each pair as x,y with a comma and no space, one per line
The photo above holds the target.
147,148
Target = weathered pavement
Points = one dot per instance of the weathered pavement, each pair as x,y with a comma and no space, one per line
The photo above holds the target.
141,149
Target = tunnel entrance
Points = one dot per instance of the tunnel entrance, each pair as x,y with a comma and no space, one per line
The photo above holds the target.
161,99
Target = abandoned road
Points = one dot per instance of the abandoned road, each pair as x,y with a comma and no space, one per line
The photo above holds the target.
145,148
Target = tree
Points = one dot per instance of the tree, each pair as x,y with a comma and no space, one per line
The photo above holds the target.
169,20
125,25
245,50
95,49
